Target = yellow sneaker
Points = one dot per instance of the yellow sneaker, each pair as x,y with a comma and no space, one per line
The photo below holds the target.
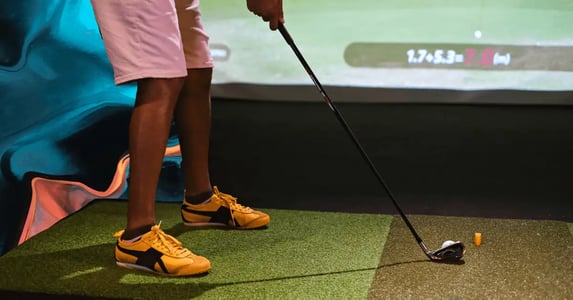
222,210
159,253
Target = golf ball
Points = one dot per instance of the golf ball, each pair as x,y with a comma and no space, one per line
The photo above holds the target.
477,34
447,243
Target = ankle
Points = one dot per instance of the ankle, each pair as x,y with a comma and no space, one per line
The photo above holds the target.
198,198
132,233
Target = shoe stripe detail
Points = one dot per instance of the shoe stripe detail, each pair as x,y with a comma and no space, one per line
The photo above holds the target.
146,258
222,215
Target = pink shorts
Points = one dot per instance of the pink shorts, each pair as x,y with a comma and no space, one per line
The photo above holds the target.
152,38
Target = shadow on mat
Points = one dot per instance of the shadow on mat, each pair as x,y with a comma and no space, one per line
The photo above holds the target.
83,271
91,272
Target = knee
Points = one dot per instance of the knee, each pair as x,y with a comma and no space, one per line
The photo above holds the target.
161,91
197,82
164,86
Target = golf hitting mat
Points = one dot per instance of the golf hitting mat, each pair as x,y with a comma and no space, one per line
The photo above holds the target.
517,259
301,255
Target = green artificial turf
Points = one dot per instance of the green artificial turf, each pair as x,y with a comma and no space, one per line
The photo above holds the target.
301,255
518,259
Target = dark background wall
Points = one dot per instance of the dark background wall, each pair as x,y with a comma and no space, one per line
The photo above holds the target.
472,160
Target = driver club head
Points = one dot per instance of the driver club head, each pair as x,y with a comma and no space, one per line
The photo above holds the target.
451,252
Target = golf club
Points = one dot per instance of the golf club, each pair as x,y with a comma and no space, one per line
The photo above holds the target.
449,252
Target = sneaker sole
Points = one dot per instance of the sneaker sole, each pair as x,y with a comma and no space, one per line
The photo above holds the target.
221,225
142,268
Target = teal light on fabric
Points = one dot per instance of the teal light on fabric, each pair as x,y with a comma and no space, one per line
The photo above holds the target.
60,114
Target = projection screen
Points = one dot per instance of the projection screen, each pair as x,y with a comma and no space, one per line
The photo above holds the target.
363,47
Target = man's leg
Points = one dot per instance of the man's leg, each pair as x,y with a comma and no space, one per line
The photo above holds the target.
143,245
193,120
202,205
148,133
143,43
